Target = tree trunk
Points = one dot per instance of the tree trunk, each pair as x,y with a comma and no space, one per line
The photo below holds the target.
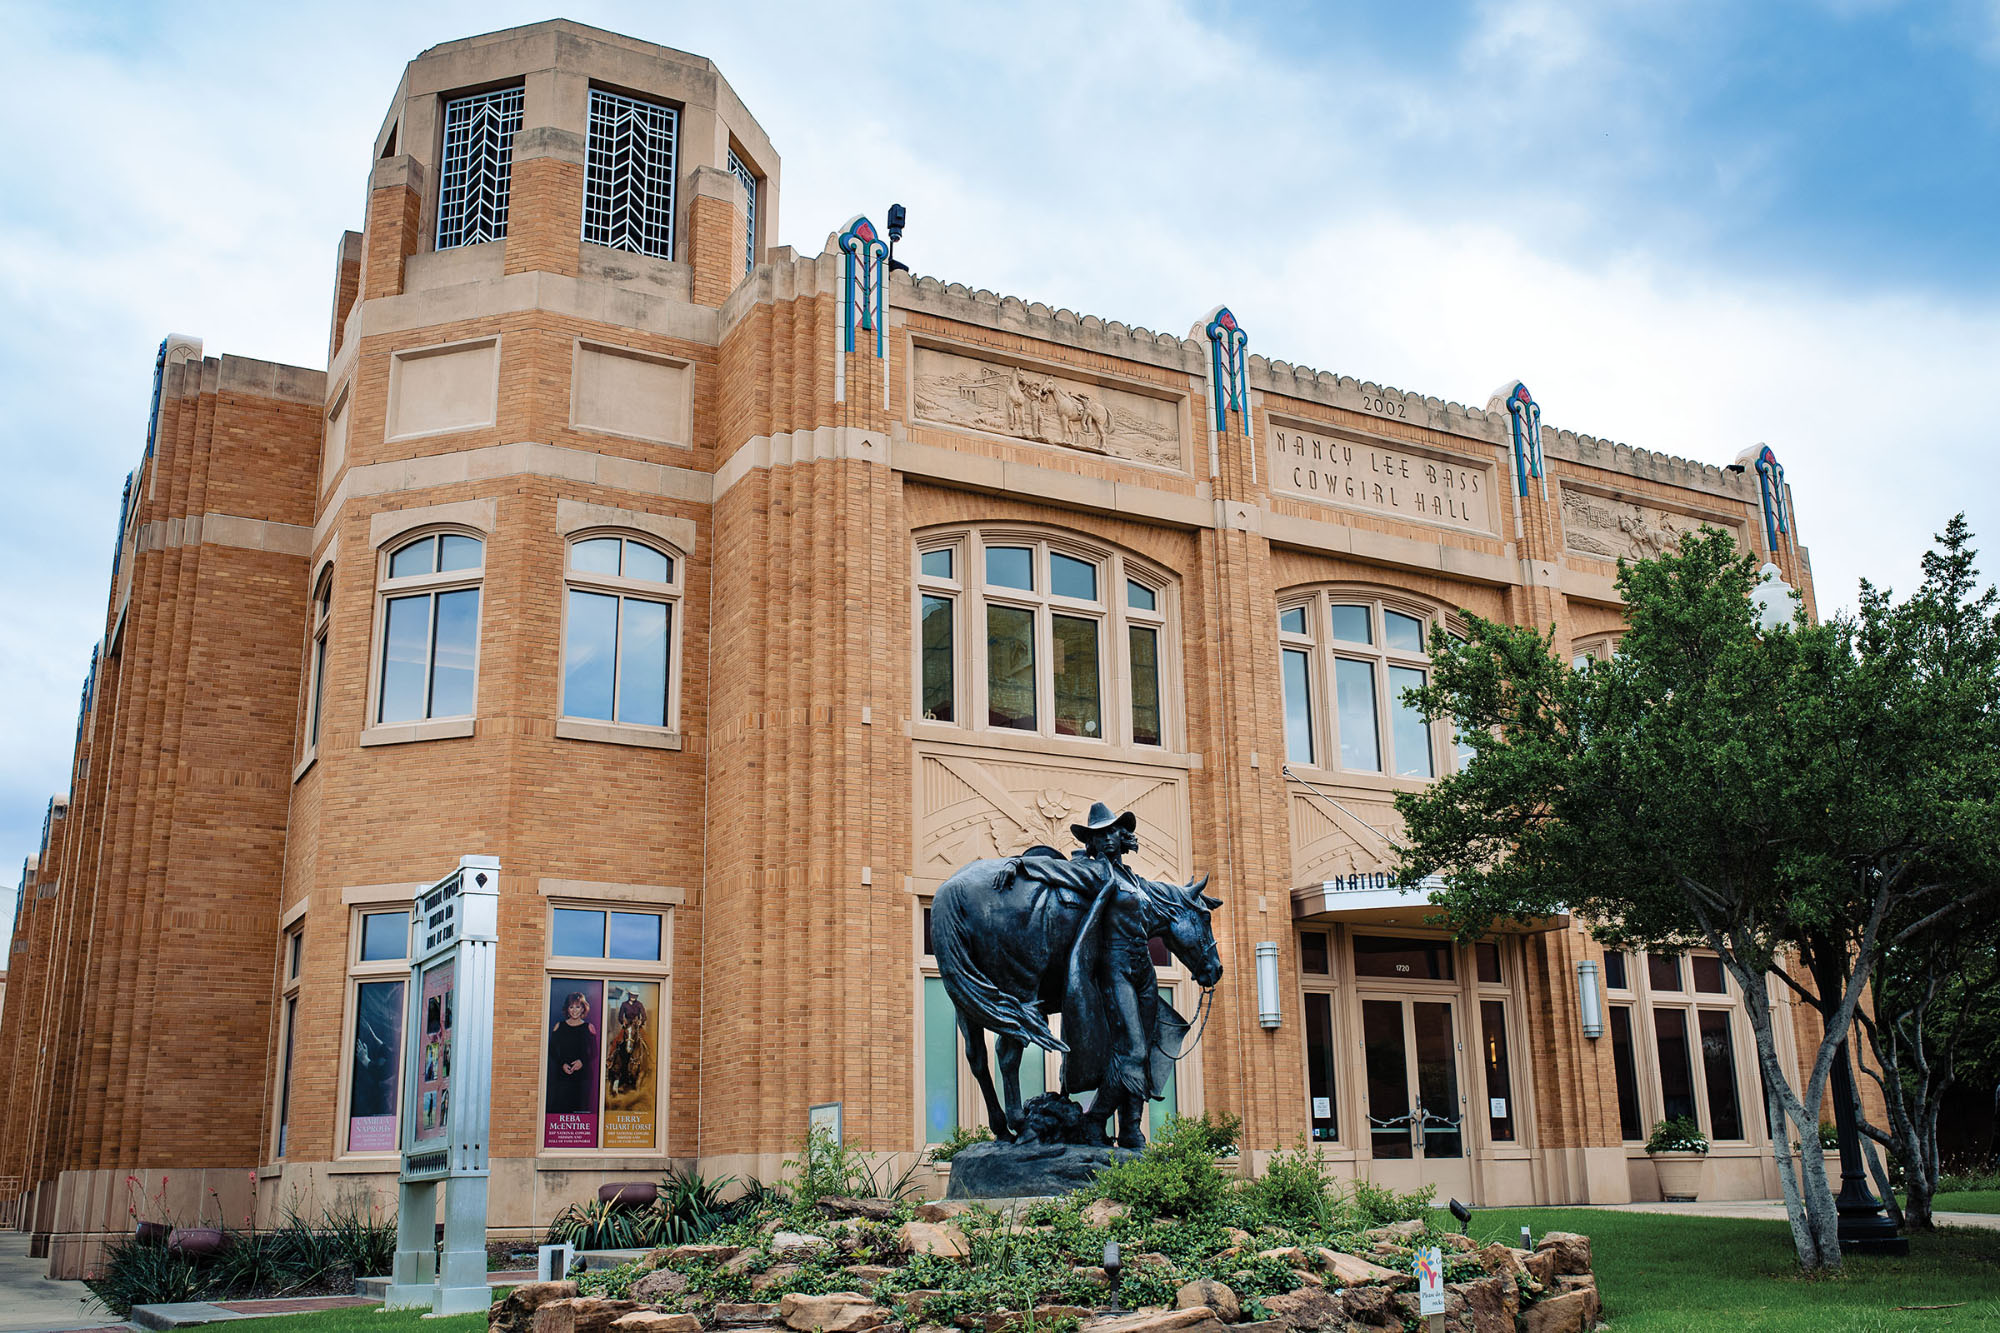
1817,1245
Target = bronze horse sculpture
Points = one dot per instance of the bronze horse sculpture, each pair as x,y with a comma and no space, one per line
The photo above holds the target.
1019,938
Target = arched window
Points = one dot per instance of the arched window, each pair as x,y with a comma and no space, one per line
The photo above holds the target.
619,663
1599,647
430,628
1346,661
1043,634
322,615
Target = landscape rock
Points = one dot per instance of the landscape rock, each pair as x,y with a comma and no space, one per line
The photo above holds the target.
1482,1306
1198,1320
682,1255
1396,1233
1237,1237
1505,1261
580,1314
865,1276
1570,1312
1459,1241
939,1238
1216,1296
774,1276
655,1321
1005,1321
516,1314
1021,1170
840,1312
1585,1283
1147,1259
744,1314
844,1205
1091,1274
1541,1266
659,1284
1311,1308
1371,1307
1351,1270
914,1301
1287,1254
941,1210
1572,1251
1103,1212
798,1244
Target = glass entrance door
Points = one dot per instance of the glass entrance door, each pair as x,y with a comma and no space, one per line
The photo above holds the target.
1415,1111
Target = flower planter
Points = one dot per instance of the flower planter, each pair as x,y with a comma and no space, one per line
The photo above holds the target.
193,1241
152,1235
1680,1175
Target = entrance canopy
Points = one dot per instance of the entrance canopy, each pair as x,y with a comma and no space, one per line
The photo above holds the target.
1378,899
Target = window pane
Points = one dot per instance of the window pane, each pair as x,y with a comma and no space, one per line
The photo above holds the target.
577,934
1405,634
1312,952
455,552
1626,1068
1499,1088
599,555
377,1062
406,639
1408,731
1354,684
1298,708
457,646
1488,958
1320,1109
940,1063
1070,577
1387,956
1010,667
940,689
1386,1059
937,564
575,1019
319,684
642,663
1077,699
1292,620
1145,644
1010,567
628,181
1614,970
635,935
385,935
1676,1074
643,562
1663,970
1350,624
297,953
1139,597
1443,1126
1708,974
1718,1067
589,641
285,1078
419,557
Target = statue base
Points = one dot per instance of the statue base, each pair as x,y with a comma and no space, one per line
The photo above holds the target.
1023,1170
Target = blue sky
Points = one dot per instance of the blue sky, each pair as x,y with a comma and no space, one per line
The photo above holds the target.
1689,227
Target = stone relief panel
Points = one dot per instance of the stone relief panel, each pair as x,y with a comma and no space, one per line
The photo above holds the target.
1328,841
1602,526
1318,465
1029,404
972,805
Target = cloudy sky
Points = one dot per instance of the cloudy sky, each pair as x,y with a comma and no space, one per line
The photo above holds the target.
1690,227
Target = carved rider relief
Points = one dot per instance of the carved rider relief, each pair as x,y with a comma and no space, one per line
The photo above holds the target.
1031,404
1601,526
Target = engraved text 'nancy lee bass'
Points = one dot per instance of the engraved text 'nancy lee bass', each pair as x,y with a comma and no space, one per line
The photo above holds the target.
1385,480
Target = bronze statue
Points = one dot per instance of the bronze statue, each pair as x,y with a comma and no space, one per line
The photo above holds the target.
1025,936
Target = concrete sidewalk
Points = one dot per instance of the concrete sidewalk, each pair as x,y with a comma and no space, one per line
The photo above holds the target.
30,1301
1773,1210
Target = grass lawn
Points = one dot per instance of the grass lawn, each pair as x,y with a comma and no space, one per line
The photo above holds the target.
1968,1201
1663,1274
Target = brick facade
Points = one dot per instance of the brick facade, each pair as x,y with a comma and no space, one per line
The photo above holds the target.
779,821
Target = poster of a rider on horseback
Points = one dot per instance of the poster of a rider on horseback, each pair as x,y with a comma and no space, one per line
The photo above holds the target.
1019,938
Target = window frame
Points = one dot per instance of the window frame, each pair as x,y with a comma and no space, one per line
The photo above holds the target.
605,970
672,593
359,973
516,93
970,597
673,112
291,973
1643,1000
388,589
318,638
1323,653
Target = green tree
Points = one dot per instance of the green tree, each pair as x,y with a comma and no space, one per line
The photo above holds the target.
1766,794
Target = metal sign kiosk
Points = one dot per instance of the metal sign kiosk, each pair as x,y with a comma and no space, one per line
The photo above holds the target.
447,1091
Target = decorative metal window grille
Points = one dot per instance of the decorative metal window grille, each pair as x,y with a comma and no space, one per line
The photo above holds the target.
478,167
749,179
628,180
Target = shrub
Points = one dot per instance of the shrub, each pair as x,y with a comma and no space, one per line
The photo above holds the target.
960,1140
1295,1187
1177,1173
1829,1135
826,1167
1379,1207
135,1274
1681,1134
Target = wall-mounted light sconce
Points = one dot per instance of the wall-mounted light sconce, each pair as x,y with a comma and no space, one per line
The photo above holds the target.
1588,995
1267,984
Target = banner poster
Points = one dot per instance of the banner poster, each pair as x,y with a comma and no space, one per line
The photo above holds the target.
569,1099
434,1067
378,1066
632,1012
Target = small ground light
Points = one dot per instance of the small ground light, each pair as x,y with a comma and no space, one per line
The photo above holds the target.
1527,1239
1464,1216
1113,1271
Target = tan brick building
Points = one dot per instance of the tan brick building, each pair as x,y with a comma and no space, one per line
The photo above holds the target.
732,601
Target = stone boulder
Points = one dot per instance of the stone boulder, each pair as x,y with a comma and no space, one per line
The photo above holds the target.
1310,1308
680,1256
1287,1254
659,1285
1487,1305
516,1314
580,1314
939,1238
1569,1312
1021,1170
1208,1292
1541,1266
1198,1320
1396,1233
798,1244
655,1321
744,1314
839,1312
843,1205
774,1276
1103,1212
1351,1270
941,1210
1572,1251
865,1276
1006,1321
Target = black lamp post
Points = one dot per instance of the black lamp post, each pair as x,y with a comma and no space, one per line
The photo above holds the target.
1864,1227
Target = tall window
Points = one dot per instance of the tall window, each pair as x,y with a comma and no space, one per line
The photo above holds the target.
430,628
604,1028
1346,662
478,168
628,177
1674,1020
741,170
1322,1045
1020,632
322,616
291,969
618,659
378,975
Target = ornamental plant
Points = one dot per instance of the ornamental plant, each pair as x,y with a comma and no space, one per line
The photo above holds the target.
1680,1134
